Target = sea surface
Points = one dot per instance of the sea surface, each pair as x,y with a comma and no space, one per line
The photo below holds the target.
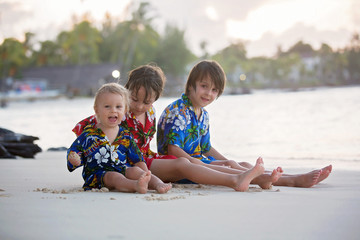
318,125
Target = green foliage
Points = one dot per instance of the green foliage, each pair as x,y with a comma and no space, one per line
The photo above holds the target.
231,56
353,59
173,46
48,55
80,46
12,56
133,42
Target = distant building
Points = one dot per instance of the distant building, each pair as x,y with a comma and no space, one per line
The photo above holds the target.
73,80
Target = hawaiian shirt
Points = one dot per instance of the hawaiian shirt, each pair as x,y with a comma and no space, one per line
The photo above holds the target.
99,156
178,125
143,134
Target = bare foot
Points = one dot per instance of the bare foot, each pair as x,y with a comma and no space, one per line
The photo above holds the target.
325,172
143,182
163,187
306,180
268,180
244,179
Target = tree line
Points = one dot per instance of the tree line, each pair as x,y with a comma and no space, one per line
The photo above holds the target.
133,42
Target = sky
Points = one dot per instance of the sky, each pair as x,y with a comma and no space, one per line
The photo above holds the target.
263,25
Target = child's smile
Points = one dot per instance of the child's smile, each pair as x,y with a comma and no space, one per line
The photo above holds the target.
113,119
110,109
204,94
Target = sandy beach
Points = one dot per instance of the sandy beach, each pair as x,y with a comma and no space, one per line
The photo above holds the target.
40,199
302,131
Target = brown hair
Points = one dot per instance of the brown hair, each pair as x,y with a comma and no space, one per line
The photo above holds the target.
150,77
114,88
203,69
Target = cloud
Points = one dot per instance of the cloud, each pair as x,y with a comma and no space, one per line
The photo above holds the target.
47,18
12,14
192,16
268,43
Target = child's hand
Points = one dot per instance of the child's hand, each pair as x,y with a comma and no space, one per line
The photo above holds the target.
74,159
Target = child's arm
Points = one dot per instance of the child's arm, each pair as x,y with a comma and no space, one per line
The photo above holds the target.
74,156
215,154
178,152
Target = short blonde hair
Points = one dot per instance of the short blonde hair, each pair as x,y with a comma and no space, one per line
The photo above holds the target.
114,88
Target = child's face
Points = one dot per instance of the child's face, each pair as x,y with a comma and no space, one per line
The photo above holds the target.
205,93
110,109
138,104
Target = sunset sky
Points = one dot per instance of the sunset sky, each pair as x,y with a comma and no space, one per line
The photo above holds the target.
262,24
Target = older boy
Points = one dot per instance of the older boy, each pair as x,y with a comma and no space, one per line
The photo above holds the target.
183,128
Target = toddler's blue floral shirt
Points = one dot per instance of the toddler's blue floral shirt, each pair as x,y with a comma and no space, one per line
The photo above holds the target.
99,156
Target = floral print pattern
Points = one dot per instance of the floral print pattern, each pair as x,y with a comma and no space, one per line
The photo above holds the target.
178,125
143,134
98,155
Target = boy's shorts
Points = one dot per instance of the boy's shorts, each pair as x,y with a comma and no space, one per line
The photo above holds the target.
150,160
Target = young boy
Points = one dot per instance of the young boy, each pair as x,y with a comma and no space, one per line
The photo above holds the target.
183,128
108,152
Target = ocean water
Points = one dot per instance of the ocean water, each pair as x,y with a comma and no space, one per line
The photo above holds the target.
319,125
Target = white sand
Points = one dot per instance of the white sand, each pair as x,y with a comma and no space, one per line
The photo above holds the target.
29,209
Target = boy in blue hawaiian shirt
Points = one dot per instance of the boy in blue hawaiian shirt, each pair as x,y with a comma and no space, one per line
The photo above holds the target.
108,152
183,127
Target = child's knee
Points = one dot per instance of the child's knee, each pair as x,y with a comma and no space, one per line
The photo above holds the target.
133,172
181,161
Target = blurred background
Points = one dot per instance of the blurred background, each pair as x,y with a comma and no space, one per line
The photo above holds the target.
53,48
297,61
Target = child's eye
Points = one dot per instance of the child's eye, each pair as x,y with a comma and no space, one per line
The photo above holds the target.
215,90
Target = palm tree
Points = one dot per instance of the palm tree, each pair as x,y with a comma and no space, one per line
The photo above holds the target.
12,58
134,34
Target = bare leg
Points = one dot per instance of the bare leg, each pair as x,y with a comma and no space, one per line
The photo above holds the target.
231,164
248,176
300,180
297,180
115,180
245,164
158,185
155,183
266,180
170,170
